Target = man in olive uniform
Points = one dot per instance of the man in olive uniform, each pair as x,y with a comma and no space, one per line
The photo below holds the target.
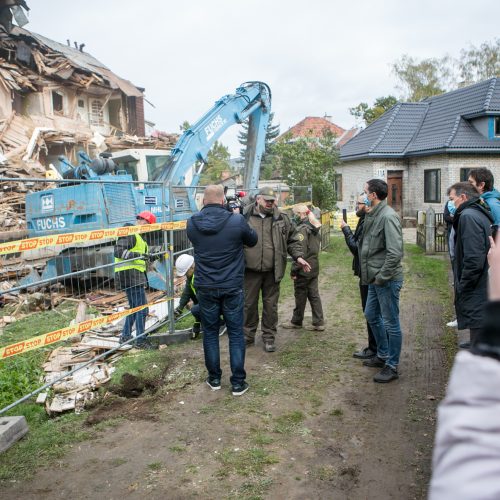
306,284
265,265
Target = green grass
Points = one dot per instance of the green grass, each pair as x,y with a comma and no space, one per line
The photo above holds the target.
23,373
47,440
288,423
245,462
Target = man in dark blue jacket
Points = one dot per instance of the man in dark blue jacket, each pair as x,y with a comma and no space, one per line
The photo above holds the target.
218,237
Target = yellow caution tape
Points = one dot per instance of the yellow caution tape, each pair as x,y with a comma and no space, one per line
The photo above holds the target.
84,236
70,331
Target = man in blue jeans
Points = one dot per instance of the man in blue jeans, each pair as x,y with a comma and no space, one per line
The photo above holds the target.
380,255
218,237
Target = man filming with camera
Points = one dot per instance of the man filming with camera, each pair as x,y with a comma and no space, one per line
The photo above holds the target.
218,237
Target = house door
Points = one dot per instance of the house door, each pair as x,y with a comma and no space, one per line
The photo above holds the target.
395,194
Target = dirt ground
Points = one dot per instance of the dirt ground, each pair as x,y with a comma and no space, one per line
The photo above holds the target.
313,425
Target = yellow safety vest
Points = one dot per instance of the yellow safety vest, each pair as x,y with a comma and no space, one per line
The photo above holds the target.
140,264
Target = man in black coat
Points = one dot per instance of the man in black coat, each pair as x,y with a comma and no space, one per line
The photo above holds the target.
218,237
351,240
472,225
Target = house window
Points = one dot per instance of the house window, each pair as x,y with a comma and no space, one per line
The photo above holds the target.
432,186
96,113
337,186
57,102
464,174
497,126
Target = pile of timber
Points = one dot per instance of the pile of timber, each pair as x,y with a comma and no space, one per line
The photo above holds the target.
162,141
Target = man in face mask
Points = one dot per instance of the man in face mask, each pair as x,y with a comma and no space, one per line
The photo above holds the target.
351,240
265,265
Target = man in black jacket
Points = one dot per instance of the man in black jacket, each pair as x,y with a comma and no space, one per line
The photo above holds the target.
218,237
352,242
471,223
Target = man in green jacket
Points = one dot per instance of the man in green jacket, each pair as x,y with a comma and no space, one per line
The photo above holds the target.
380,255
265,265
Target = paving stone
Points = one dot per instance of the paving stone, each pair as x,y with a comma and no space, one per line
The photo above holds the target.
12,429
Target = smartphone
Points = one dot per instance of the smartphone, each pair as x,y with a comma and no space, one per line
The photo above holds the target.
344,215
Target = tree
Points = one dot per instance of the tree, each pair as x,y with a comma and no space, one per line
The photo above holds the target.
218,161
273,131
421,79
307,161
476,64
370,114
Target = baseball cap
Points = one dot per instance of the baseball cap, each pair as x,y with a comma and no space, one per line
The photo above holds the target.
267,193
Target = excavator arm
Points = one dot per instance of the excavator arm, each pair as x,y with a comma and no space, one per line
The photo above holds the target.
252,100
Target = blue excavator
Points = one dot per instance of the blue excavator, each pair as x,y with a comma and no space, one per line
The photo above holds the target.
96,195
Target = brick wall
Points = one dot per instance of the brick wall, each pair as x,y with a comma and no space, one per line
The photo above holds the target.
356,173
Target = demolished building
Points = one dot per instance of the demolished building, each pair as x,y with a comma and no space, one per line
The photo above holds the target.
61,99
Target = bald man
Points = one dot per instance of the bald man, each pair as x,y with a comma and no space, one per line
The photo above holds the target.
218,237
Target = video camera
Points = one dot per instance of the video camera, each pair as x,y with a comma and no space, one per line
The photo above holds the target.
233,199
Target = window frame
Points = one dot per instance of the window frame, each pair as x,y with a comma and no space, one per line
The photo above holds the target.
338,186
436,198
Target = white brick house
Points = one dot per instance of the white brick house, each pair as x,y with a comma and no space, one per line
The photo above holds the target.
422,148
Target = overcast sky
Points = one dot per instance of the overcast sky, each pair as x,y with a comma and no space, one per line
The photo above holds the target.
318,56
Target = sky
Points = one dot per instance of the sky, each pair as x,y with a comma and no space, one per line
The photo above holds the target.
318,56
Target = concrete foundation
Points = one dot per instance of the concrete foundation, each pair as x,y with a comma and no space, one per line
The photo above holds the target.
12,429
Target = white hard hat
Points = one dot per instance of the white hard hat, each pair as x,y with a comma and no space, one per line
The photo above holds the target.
183,263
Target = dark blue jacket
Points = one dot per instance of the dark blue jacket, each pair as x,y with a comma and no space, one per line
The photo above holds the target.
218,237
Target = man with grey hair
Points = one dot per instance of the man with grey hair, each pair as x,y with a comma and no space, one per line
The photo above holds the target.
471,222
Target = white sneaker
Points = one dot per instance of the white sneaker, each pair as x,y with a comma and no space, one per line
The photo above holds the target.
452,324
222,330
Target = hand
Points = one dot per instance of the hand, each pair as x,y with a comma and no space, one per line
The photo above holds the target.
177,313
494,262
152,256
343,224
293,276
305,265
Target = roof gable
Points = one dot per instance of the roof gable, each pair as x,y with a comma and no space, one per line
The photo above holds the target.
436,124
313,126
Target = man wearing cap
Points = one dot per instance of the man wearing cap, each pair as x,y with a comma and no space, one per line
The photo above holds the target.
131,258
265,265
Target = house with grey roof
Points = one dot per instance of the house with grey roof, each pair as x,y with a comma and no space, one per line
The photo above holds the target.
422,148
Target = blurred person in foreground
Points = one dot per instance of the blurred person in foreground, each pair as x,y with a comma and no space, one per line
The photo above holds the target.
305,284
466,458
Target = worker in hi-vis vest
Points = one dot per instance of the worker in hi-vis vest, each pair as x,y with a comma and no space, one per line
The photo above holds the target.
131,260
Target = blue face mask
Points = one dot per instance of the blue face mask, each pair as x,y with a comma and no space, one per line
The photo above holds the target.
451,207
367,201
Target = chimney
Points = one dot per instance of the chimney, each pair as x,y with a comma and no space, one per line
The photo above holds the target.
81,47
328,117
